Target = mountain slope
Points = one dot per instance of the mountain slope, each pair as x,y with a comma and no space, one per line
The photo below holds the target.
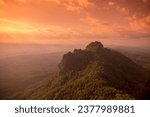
93,73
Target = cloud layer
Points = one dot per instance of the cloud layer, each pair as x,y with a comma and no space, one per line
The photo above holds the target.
70,21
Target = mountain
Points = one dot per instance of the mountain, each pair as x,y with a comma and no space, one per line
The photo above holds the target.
93,73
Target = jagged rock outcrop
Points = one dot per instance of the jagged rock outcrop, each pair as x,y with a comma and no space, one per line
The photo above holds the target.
94,46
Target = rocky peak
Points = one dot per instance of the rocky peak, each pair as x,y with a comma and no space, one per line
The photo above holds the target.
94,46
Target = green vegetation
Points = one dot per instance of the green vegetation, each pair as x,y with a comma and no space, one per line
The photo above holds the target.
93,73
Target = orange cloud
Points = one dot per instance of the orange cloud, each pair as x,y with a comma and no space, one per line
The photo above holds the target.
118,7
74,5
101,27
145,1
111,3
21,31
95,25
10,26
43,21
2,3
142,24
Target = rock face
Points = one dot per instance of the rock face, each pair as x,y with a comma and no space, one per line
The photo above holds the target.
75,61
94,46
79,59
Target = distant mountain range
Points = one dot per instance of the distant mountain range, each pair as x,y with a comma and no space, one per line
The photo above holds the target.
93,73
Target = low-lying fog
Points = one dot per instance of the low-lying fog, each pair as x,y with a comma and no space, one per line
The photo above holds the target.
23,65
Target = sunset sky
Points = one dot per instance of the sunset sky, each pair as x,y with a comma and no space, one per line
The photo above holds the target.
73,22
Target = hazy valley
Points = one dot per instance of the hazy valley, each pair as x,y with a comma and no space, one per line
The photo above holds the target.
35,75
20,69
